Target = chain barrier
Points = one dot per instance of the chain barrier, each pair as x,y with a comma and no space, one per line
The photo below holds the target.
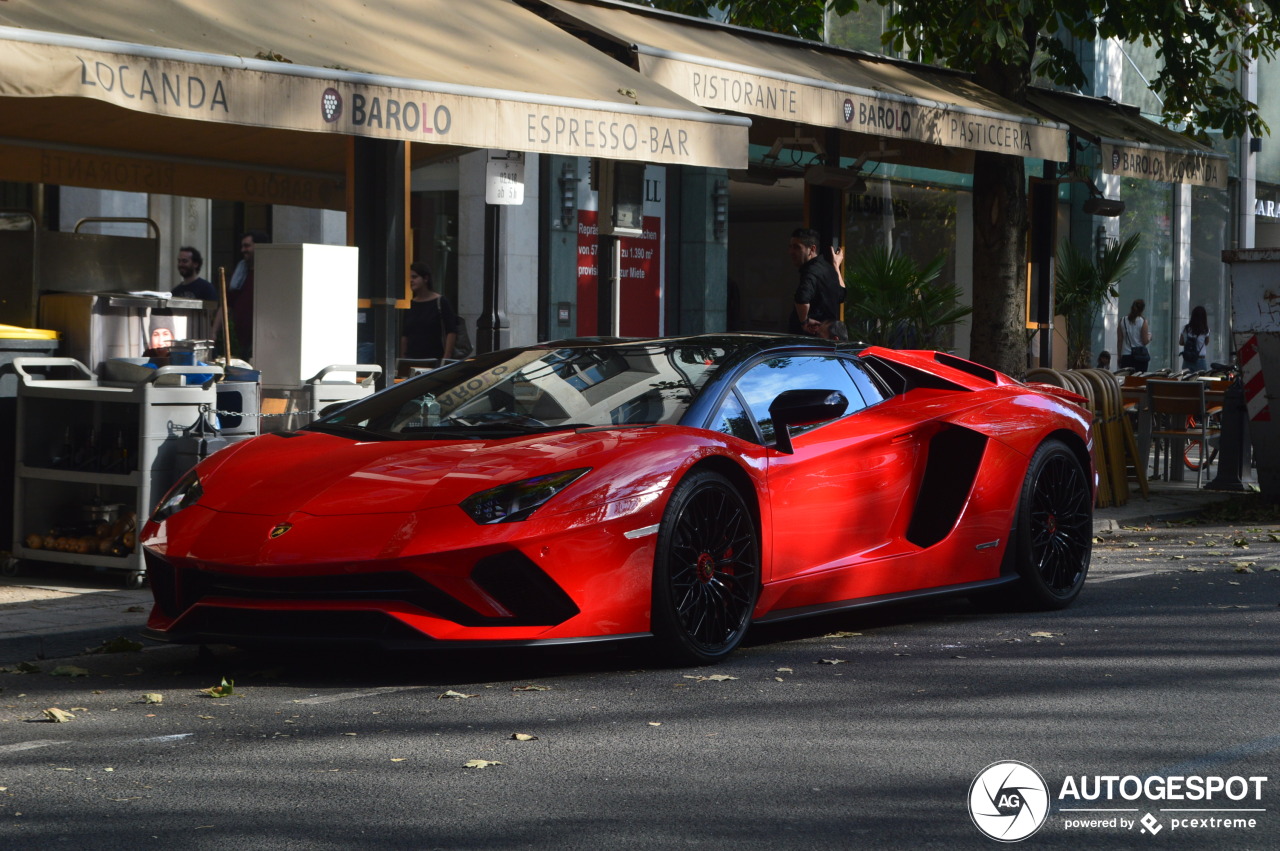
206,409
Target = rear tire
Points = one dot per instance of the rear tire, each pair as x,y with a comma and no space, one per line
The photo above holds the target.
706,574
1053,535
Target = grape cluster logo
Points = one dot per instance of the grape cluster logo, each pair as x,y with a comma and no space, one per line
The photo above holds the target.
331,105
1008,801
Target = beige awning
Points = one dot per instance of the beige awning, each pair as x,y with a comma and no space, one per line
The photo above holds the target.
237,81
760,74
1133,146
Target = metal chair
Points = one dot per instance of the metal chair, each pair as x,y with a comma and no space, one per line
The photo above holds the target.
1171,407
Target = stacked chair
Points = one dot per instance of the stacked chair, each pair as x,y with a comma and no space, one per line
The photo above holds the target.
1115,450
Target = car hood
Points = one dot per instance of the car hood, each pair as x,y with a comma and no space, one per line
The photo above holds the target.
327,475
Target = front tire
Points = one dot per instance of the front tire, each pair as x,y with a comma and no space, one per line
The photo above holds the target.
1053,536
706,575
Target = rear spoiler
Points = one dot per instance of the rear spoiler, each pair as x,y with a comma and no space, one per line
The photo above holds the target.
1059,392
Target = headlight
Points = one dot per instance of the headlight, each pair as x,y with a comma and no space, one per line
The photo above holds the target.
516,501
184,494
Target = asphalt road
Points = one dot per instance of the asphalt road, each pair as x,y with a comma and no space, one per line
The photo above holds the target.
859,731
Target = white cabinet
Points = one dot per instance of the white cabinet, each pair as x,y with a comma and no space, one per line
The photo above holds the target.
83,442
304,309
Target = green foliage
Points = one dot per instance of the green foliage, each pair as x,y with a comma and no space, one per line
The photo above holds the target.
803,19
893,301
1082,285
1202,46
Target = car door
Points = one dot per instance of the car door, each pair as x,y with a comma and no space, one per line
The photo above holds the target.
842,498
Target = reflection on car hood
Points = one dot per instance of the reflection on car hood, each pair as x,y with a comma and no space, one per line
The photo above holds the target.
326,475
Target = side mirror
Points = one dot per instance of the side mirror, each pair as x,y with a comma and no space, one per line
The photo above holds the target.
802,408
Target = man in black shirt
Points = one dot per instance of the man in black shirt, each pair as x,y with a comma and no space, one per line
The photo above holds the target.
819,295
192,285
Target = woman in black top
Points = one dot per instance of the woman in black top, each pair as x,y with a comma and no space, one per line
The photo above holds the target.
431,326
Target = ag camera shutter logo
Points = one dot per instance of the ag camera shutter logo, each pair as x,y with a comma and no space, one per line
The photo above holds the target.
1008,801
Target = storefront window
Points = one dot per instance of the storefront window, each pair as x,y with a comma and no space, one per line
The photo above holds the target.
1148,212
1210,223
915,218
433,217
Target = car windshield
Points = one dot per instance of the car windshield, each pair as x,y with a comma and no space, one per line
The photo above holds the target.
519,391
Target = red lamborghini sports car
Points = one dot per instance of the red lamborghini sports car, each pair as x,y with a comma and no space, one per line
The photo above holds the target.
597,489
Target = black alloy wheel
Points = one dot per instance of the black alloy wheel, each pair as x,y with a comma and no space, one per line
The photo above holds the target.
1054,533
706,576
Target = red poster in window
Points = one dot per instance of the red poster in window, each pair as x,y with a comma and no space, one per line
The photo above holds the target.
640,310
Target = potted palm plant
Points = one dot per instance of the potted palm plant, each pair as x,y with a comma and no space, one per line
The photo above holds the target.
893,301
1082,285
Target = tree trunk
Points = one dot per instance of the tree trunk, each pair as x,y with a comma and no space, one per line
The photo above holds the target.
998,337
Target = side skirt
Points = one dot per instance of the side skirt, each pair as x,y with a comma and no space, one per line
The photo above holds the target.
863,602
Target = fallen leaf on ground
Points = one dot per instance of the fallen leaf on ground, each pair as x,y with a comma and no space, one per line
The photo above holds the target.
480,763
785,671
1195,570
1272,569
1043,634
119,645
533,687
712,678
655,723
58,716
225,689
524,737
832,661
68,671
28,668
454,694
841,634
152,697
1243,566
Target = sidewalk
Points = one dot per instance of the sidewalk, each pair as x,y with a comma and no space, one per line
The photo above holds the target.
1168,501
63,612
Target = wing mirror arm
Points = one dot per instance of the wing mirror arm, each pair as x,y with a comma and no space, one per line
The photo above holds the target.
802,408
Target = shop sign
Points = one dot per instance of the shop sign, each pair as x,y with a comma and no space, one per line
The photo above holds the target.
289,101
640,273
1167,166
862,110
1267,208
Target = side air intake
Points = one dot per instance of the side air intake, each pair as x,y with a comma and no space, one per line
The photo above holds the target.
955,454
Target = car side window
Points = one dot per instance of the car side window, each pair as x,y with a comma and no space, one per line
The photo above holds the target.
762,383
733,419
871,392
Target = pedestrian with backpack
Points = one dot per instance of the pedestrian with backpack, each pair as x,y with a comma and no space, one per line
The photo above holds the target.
1195,341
